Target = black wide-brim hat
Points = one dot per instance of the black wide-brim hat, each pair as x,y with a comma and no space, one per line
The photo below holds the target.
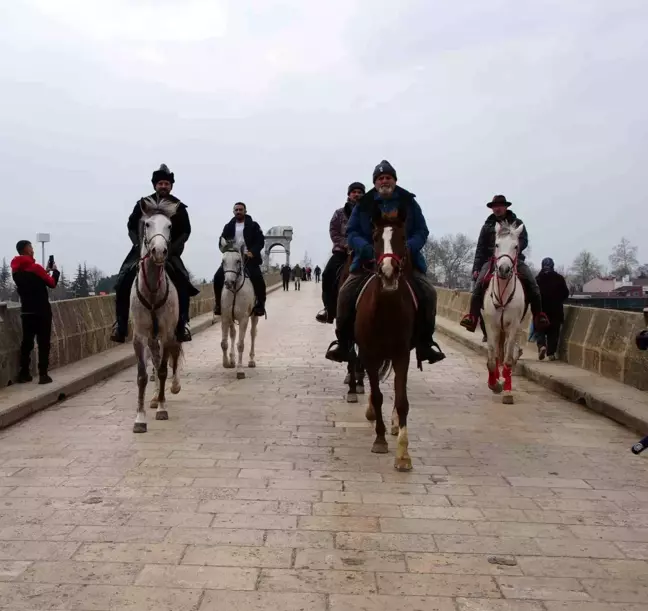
499,200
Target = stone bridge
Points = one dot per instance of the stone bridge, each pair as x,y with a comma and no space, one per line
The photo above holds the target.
263,494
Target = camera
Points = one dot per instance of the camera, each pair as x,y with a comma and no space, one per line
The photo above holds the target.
50,262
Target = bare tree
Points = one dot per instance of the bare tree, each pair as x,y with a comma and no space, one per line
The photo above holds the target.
6,284
642,271
584,268
307,262
623,258
94,275
451,258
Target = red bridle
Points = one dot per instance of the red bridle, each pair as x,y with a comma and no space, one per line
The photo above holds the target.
390,255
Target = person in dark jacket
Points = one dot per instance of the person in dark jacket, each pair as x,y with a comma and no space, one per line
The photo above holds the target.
483,263
32,281
554,291
244,232
386,196
318,273
337,232
286,273
163,180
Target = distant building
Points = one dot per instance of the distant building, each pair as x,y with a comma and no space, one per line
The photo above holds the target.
609,284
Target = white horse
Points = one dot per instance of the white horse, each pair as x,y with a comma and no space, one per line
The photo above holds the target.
237,303
155,309
503,310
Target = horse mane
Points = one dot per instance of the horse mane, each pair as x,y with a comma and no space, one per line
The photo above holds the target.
505,228
150,206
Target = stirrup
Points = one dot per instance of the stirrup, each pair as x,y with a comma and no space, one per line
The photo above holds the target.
469,322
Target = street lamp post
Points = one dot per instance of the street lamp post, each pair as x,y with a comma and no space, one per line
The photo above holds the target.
43,238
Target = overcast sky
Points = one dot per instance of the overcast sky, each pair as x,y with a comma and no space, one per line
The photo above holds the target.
281,104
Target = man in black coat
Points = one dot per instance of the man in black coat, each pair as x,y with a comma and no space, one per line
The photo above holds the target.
32,281
244,231
163,180
554,291
484,260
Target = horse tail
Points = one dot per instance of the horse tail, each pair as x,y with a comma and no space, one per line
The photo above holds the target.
385,370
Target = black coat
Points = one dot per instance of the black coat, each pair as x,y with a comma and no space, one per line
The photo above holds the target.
486,243
32,282
252,234
180,226
554,291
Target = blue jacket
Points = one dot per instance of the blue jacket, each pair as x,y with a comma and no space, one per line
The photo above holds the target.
359,227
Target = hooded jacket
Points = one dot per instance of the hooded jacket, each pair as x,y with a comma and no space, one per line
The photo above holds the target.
32,282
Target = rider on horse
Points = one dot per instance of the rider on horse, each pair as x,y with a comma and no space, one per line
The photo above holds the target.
337,231
387,196
483,264
162,180
246,233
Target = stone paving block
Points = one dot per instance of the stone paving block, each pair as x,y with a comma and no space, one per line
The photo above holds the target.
131,598
542,588
459,564
259,557
262,601
109,573
323,559
207,577
402,584
10,570
143,553
464,604
376,602
323,582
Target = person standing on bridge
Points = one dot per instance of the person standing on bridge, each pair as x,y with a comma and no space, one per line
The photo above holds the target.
318,273
386,196
245,232
554,291
286,272
163,180
337,232
484,260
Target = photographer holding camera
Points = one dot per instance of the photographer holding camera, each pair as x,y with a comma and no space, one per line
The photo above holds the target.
32,282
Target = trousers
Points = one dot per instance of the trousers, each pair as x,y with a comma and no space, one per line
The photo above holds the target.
39,327
549,339
330,282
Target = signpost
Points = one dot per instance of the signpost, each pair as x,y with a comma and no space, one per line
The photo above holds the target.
43,238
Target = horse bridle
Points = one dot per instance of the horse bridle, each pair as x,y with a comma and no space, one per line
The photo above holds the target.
145,302
512,276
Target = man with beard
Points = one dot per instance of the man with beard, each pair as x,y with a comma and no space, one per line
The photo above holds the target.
163,180
245,232
387,197
337,231
484,259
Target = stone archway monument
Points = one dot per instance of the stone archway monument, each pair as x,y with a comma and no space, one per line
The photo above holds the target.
280,235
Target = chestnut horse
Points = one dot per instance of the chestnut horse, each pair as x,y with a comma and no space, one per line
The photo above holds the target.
384,328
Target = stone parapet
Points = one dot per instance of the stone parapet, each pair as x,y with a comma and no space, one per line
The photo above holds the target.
597,340
80,328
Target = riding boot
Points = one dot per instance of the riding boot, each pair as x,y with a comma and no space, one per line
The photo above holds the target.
258,283
219,280
533,296
427,350
471,320
122,307
340,350
183,332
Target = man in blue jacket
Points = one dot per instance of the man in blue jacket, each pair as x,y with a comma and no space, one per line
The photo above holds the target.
387,196
244,232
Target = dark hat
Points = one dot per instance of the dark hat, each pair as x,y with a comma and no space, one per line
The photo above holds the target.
356,185
163,173
384,167
547,263
499,200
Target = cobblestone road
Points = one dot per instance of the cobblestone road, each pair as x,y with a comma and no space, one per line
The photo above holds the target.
263,493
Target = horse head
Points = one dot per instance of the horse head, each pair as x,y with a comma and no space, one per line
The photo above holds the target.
155,228
507,249
232,263
390,245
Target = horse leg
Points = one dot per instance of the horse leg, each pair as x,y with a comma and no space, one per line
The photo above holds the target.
142,381
493,362
224,335
360,377
176,351
232,332
352,394
154,348
375,405
253,334
243,325
163,371
403,462
507,369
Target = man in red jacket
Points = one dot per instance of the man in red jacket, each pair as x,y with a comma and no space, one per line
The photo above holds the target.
32,281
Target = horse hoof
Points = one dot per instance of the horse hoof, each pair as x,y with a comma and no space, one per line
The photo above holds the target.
228,365
154,404
352,397
496,388
370,414
139,427
380,447
162,415
347,379
403,464
394,429
508,400
240,375
175,388
251,364
360,389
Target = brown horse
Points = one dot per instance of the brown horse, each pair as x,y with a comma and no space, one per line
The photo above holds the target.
384,328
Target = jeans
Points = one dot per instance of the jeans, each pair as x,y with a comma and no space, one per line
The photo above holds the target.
39,327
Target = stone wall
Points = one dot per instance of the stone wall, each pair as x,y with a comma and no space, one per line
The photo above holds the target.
602,341
80,328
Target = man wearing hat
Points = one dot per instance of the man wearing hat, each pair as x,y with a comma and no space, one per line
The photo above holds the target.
162,180
337,231
483,260
387,197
